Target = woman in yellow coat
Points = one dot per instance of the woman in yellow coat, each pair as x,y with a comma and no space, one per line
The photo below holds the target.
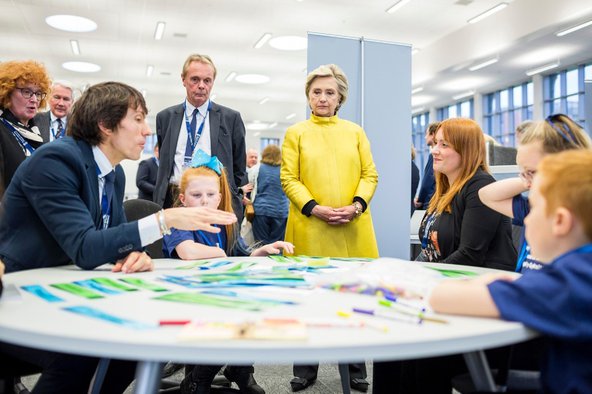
329,176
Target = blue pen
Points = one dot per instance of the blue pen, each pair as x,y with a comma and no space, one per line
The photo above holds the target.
390,316
392,298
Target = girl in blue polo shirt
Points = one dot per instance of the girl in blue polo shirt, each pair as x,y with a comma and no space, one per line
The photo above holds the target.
205,184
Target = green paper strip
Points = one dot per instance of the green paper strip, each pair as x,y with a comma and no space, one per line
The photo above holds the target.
451,273
114,284
143,284
77,290
243,265
216,301
193,265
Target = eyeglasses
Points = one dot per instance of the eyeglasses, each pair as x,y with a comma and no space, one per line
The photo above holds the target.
28,93
527,176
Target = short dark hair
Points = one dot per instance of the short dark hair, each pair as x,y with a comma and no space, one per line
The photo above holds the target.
105,103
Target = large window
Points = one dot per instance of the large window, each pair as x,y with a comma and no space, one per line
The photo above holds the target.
505,109
419,124
269,141
564,92
462,109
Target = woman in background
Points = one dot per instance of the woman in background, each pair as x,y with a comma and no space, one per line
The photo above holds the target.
23,88
329,176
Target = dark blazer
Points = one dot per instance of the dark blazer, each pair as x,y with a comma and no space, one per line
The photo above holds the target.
51,212
146,178
43,121
414,183
428,184
227,133
474,234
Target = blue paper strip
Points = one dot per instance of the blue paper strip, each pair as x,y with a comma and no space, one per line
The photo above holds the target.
98,314
92,285
42,292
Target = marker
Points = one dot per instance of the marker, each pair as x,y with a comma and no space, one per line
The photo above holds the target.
173,322
408,312
390,316
393,298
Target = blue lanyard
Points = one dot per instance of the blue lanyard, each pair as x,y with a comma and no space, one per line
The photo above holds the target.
429,223
59,134
207,240
105,203
19,138
192,137
522,256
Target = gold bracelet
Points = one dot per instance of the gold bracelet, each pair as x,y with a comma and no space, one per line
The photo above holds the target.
358,207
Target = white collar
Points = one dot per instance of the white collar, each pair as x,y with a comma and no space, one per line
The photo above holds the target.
53,118
203,109
102,161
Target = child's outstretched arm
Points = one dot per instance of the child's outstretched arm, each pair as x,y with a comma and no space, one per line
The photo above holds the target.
190,250
498,195
274,248
466,297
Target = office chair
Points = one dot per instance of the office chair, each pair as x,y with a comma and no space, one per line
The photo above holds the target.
137,209
498,155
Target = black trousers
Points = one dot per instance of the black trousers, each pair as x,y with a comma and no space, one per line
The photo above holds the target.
309,372
67,373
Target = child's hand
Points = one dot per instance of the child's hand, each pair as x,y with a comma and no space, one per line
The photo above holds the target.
274,248
197,218
492,277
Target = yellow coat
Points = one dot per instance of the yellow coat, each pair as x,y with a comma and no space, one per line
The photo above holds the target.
329,160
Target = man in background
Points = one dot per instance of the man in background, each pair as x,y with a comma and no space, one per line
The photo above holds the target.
428,183
52,124
199,123
146,176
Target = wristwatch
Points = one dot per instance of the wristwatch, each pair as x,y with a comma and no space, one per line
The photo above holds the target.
358,207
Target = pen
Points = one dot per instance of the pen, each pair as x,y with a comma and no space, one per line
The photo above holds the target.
404,319
408,312
392,298
173,322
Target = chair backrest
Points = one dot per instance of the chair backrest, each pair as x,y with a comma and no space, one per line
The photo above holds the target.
500,155
136,209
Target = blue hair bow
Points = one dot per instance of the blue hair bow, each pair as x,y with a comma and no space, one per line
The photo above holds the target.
202,159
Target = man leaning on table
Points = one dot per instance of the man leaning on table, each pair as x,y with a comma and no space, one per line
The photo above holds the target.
65,205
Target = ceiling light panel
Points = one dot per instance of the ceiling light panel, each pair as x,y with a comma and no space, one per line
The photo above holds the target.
395,7
261,41
72,23
487,13
81,67
149,70
159,31
288,43
573,28
484,64
230,77
541,69
252,79
463,95
75,47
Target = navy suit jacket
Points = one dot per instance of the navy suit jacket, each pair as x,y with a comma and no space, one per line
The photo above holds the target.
428,184
42,121
227,133
146,178
52,216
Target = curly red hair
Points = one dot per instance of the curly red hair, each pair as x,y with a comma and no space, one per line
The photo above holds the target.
15,74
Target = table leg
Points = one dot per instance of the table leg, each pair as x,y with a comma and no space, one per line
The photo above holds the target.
148,374
344,373
480,372
99,377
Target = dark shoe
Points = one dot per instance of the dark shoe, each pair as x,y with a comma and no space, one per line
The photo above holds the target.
170,369
299,384
359,384
190,386
245,381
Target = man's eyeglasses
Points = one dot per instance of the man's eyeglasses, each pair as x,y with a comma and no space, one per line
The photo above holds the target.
527,176
28,93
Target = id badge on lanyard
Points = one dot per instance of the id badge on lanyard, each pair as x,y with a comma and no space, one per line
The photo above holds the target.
193,137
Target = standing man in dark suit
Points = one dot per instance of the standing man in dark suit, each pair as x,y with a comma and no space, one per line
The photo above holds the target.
428,183
199,123
52,124
65,205
146,176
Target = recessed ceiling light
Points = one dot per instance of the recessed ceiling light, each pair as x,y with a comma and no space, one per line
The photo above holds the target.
489,12
417,90
541,69
74,23
573,28
230,76
463,95
417,110
257,134
483,64
288,43
252,79
159,31
261,41
290,116
264,100
75,47
81,67
414,51
271,126
392,9
149,70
